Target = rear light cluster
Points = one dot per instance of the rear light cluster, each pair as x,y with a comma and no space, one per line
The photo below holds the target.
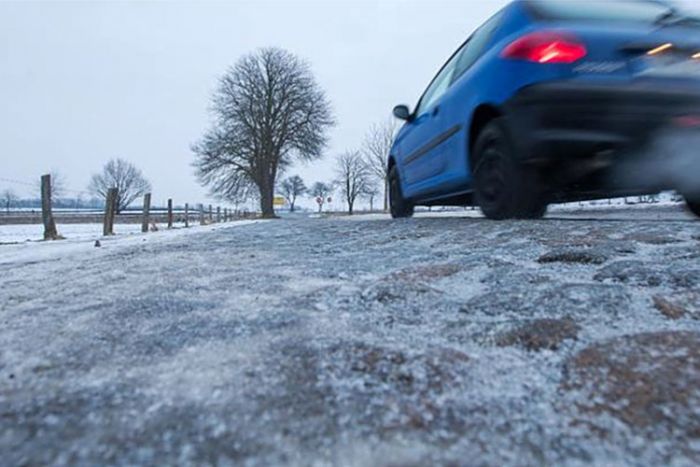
546,47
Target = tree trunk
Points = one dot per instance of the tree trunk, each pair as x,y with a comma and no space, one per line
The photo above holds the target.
267,200
350,208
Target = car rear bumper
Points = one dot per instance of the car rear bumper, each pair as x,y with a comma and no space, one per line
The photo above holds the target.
585,129
561,119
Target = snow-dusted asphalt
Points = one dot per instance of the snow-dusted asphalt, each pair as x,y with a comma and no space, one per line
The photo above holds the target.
436,340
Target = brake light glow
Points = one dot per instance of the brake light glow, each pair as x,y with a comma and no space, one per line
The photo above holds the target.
546,47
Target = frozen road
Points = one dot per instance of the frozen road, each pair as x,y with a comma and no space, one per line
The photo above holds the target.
436,340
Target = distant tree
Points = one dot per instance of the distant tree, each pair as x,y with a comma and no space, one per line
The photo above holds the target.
268,111
371,192
320,192
123,176
9,200
375,149
353,177
292,188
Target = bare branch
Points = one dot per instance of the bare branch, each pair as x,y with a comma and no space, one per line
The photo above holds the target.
376,147
354,177
268,111
292,188
125,177
9,200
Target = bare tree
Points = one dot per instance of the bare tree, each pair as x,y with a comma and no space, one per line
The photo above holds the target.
371,192
9,200
376,148
353,177
268,111
292,188
125,177
321,191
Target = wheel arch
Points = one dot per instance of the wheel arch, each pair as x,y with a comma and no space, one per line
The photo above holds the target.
482,116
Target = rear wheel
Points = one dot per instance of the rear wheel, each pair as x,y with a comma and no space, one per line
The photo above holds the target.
399,206
505,188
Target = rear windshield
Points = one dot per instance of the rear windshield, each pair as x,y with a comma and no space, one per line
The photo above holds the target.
645,11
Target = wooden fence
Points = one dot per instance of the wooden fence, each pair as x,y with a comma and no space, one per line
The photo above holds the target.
148,216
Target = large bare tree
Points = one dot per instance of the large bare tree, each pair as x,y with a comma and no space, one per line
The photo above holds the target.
354,177
375,149
125,177
292,188
268,111
9,200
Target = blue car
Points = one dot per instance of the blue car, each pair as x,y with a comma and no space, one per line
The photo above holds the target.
554,101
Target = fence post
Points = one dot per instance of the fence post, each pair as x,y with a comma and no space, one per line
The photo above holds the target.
146,212
110,209
187,215
211,214
225,214
50,232
218,214
170,213
201,215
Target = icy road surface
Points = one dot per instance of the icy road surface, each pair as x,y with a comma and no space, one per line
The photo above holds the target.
437,340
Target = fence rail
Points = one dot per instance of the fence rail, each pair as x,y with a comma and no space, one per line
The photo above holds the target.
148,216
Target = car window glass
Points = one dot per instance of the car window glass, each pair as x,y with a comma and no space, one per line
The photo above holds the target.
439,85
475,47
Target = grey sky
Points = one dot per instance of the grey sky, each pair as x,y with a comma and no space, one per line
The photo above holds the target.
83,82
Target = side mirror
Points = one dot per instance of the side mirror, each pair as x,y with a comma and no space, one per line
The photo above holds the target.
402,113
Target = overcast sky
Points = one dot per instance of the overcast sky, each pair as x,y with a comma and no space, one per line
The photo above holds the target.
81,83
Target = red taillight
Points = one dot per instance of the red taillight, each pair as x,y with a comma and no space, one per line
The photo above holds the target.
546,47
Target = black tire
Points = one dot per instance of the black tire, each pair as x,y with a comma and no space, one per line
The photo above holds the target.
399,207
505,188
693,206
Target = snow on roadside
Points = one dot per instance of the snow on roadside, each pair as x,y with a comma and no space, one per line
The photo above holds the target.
82,237
18,233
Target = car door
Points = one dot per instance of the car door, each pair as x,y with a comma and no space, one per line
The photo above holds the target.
458,104
421,151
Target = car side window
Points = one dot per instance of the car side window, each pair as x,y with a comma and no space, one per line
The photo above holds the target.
476,45
440,84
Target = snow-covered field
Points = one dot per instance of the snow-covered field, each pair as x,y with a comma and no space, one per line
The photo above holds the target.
445,339
35,232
